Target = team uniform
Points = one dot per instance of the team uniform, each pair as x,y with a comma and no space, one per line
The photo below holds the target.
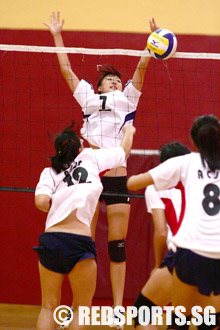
198,237
76,188
104,115
171,202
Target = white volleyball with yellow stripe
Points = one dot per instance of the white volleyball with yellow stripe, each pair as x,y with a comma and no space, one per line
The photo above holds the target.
162,44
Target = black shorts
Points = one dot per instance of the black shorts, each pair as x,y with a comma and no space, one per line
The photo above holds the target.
60,252
168,261
194,269
117,185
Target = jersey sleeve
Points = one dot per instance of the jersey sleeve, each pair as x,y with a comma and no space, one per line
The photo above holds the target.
168,174
46,183
153,200
132,93
109,158
82,91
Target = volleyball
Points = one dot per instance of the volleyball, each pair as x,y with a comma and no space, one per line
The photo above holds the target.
162,44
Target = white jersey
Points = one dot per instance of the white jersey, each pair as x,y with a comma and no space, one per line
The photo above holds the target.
105,114
78,187
200,228
171,202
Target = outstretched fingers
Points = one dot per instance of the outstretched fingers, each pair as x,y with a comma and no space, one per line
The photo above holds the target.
153,24
55,24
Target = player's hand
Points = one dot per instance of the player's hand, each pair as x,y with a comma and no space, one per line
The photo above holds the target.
55,25
128,129
153,24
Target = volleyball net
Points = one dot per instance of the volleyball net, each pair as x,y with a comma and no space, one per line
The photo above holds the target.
35,100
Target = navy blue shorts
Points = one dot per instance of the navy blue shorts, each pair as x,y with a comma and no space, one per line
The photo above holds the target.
117,185
60,252
194,269
168,261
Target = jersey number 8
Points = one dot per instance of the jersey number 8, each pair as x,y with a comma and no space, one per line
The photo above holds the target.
211,202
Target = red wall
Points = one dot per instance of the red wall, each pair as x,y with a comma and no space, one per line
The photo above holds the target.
34,99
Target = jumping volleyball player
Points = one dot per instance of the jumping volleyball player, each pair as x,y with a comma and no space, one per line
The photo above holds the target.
196,277
166,208
69,191
104,115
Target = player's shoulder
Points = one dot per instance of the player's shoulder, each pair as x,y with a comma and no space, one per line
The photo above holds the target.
88,83
131,88
178,161
84,84
192,158
47,171
86,153
128,82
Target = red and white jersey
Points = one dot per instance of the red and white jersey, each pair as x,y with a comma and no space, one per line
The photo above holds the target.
171,202
200,228
79,186
105,114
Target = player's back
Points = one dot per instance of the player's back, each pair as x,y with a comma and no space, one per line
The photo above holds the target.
200,230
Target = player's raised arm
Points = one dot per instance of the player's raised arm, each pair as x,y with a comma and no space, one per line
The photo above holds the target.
126,143
139,74
140,181
55,26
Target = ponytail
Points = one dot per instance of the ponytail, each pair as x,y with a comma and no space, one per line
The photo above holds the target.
205,133
209,146
67,145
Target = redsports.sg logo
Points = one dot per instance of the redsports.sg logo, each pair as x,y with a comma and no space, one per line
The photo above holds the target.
156,315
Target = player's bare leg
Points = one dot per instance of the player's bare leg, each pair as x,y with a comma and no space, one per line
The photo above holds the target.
118,218
158,290
51,283
83,284
158,287
95,220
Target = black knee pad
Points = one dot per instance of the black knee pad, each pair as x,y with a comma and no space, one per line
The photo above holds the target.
179,327
117,250
203,326
141,301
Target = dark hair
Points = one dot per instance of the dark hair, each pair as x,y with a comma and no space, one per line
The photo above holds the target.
107,70
67,145
171,150
205,133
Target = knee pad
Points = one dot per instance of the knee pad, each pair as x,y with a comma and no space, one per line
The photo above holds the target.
141,301
179,327
203,326
117,250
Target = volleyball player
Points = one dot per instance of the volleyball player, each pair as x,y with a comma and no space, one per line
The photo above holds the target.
166,208
69,191
104,114
196,277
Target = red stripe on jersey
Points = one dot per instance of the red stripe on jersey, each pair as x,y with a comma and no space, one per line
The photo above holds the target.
170,215
102,173
170,212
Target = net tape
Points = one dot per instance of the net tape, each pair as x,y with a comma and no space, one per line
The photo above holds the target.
93,51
